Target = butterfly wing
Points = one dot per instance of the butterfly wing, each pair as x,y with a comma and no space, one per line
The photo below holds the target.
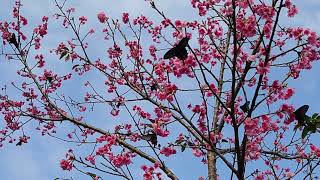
179,51
301,112
182,53
300,115
170,54
183,43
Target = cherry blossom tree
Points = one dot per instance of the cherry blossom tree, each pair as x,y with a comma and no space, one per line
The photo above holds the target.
220,94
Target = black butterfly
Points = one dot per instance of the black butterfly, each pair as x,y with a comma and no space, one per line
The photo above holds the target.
245,107
13,40
300,115
179,50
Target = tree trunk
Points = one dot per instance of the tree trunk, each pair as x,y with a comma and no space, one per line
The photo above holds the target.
212,168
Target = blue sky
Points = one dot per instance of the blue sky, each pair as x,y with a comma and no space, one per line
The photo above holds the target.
38,160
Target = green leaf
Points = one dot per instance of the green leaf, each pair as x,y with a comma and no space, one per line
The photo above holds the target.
305,132
306,119
313,128
56,178
317,119
315,115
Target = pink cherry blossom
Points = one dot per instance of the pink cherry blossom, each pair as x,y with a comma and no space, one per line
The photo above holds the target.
102,17
168,151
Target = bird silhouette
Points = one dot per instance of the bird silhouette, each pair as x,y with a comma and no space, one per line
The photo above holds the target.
13,40
179,50
151,137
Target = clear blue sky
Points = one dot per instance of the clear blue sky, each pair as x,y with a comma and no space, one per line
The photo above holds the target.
38,160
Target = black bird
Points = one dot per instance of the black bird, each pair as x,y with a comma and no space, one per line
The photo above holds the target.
245,106
13,40
179,50
300,115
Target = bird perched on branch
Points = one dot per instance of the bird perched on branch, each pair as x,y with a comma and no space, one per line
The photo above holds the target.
13,40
